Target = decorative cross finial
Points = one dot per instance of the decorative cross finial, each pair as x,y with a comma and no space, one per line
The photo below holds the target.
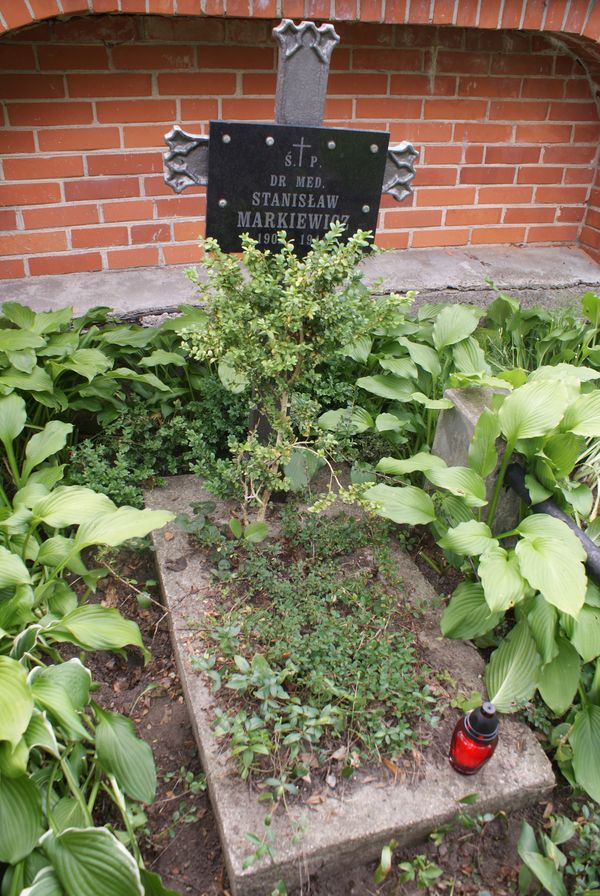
304,56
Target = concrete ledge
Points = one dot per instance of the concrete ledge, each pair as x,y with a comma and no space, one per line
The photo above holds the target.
551,276
353,821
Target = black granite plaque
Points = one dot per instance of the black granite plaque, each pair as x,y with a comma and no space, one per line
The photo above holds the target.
267,177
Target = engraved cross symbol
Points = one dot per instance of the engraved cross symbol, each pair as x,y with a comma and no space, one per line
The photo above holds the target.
301,147
304,58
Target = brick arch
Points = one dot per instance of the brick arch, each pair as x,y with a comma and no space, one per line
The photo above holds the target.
90,94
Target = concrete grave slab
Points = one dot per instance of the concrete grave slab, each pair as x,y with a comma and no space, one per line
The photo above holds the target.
354,820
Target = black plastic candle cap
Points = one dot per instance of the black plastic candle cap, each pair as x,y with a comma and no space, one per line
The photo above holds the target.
482,723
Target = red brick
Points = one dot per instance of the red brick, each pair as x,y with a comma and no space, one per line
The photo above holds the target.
443,177
136,111
109,85
16,14
57,57
504,195
104,29
384,60
104,188
573,112
444,11
29,87
592,26
512,64
433,197
441,155
422,239
388,109
422,85
156,232
261,84
154,57
17,57
139,136
8,219
124,163
181,206
65,139
35,33
586,133
23,243
531,215
67,215
472,216
466,14
511,14
12,268
487,174
355,84
338,110
512,155
345,10
133,258
236,58
543,133
17,141
162,7
556,14
577,89
534,14
199,110
489,14
190,254
197,30
455,110
184,231
463,63
593,218
576,16
247,109
292,9
94,237
571,214
540,174
409,217
417,132
156,186
565,66
50,114
498,235
518,111
201,83
29,194
135,6
556,233
71,263
393,240
127,210
191,7
365,34
543,88
43,167
579,176
488,87
419,12
43,9
560,195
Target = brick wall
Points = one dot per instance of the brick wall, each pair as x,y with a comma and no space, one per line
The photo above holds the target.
506,123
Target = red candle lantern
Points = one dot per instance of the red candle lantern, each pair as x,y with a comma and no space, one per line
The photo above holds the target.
474,739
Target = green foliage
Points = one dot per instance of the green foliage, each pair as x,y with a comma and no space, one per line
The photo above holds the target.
305,654
270,330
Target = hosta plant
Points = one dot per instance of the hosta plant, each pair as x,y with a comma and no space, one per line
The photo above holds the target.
536,570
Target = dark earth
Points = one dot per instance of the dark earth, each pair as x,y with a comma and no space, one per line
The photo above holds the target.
179,840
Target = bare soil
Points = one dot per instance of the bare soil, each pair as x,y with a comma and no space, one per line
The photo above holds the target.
180,840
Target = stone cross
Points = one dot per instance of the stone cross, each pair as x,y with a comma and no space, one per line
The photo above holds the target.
304,58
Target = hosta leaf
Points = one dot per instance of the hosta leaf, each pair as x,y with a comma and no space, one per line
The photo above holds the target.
16,701
387,386
483,456
584,738
408,505
351,420
470,539
542,625
13,760
40,733
460,481
532,410
469,357
68,813
302,466
92,861
551,559
359,350
559,679
434,404
130,336
120,525
585,635
45,884
467,614
563,450
502,582
233,380
87,362
453,324
24,361
52,694
583,416
545,871
21,821
160,357
13,417
17,340
403,367
423,355
69,505
388,423
44,444
20,315
92,627
124,755
12,569
153,886
512,673
420,462
36,381
45,321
